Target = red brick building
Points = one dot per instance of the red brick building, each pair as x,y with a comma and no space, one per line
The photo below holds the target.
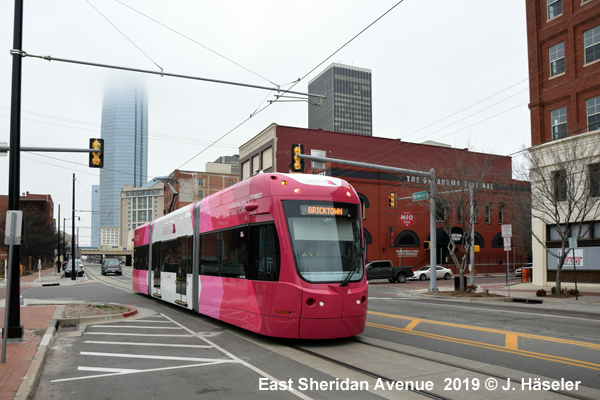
564,67
193,186
29,203
563,39
398,234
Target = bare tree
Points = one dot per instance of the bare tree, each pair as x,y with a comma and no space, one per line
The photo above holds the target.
565,192
463,183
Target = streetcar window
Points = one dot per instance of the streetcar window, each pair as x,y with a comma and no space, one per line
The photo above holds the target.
140,257
235,252
325,239
263,253
169,256
210,249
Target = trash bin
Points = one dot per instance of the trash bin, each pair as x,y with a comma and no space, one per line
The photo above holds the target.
457,282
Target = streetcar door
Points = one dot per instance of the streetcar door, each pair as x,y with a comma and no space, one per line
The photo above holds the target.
156,261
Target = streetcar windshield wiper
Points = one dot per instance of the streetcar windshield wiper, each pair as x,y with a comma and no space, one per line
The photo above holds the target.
347,279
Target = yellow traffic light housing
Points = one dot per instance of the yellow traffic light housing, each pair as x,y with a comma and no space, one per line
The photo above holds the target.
297,164
427,245
476,248
392,200
97,158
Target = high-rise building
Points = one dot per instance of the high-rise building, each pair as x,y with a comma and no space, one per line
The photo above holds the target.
125,134
95,215
347,107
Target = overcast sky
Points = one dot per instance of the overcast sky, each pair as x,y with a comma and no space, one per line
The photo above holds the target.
453,72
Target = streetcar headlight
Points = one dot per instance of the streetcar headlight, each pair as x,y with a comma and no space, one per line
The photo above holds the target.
321,303
358,301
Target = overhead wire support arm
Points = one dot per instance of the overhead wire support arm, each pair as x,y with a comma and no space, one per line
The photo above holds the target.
162,73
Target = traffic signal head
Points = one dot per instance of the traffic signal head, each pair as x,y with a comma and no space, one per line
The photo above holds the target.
97,158
476,248
427,245
297,162
392,200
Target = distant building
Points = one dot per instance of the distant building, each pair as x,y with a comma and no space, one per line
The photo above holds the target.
95,216
563,39
347,107
182,188
29,203
137,206
387,234
125,134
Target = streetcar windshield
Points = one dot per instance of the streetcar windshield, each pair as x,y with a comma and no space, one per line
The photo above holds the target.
326,240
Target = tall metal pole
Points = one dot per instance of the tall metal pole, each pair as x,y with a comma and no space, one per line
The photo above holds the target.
10,257
73,277
58,246
433,233
15,329
472,249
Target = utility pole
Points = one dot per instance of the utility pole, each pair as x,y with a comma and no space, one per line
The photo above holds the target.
15,329
73,272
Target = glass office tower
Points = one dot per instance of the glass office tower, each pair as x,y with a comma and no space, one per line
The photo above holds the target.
347,108
95,215
125,134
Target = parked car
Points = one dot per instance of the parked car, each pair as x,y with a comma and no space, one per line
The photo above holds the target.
78,268
519,271
383,269
111,265
441,272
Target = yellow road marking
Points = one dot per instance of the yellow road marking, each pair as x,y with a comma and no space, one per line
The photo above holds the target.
491,330
512,342
412,324
510,347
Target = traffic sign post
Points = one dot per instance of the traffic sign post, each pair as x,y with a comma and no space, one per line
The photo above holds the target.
507,235
573,245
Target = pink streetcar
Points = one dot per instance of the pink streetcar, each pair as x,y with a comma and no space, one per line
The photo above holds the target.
276,254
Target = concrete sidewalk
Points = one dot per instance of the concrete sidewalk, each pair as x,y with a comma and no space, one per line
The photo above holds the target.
20,375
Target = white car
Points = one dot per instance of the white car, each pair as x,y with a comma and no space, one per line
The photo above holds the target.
441,272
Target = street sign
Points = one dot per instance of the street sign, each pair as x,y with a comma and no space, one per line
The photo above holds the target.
507,231
318,164
18,222
418,196
507,244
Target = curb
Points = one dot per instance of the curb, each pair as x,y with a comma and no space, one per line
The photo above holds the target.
31,380
99,318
